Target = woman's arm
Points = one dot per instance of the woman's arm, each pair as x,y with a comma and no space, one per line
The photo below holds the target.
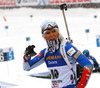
29,63
83,61
87,69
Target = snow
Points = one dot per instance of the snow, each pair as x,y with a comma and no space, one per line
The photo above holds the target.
21,25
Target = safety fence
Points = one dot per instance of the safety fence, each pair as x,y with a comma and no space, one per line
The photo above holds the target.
49,3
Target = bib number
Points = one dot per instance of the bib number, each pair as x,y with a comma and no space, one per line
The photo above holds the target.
54,73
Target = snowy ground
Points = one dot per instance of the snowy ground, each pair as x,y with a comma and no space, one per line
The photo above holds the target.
21,25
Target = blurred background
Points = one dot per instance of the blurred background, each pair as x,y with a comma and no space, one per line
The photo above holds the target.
20,22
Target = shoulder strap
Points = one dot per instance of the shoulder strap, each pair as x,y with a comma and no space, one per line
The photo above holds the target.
63,52
45,52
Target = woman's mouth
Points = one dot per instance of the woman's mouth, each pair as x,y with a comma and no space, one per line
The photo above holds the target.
53,39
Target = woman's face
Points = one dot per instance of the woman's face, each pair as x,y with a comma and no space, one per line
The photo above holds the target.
51,35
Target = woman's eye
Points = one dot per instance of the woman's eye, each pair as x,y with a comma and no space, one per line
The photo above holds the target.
54,31
47,32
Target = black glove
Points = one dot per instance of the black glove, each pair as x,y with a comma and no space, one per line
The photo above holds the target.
29,52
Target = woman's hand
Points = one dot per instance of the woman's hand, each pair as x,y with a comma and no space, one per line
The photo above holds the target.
29,52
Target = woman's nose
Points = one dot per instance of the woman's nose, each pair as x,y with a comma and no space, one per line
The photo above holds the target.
51,34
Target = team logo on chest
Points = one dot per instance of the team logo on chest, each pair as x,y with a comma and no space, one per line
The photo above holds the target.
53,57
